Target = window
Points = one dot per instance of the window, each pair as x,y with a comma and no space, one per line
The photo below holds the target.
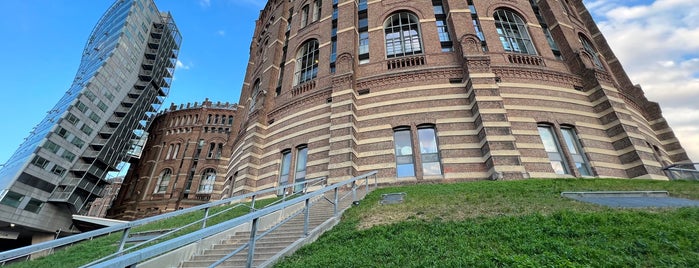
34,205
163,181
176,151
94,117
212,147
402,35
12,199
58,170
62,132
51,146
255,93
404,153
363,28
304,16
230,120
553,148
102,106
575,149
72,118
284,170
219,151
89,95
442,29
86,129
68,156
81,106
513,32
208,178
40,162
169,151
301,160
429,152
77,142
587,46
307,62
317,5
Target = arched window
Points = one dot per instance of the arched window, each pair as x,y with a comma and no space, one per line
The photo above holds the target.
402,35
513,32
208,177
587,45
307,62
163,181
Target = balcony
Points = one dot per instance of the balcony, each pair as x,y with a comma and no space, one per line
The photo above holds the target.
148,64
404,62
525,59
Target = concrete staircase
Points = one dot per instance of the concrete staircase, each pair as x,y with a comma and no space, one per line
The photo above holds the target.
280,242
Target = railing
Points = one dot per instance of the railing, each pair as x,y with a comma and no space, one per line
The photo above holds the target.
404,62
133,258
27,251
687,171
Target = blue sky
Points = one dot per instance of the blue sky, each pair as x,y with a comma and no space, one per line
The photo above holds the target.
43,42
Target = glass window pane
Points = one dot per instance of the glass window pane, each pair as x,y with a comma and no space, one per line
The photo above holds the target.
407,170
548,139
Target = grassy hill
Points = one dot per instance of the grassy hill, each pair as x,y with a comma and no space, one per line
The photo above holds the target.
509,224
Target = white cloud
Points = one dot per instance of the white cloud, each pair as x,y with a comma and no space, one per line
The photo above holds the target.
181,66
221,32
657,42
205,3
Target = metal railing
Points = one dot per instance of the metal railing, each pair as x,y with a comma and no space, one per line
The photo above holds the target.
126,228
140,255
686,171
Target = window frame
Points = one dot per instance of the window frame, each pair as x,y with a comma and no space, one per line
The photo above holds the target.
307,58
413,25
513,32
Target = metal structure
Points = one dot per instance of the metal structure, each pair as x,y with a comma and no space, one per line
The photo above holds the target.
686,171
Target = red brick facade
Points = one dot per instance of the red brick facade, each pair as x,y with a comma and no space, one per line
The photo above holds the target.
483,104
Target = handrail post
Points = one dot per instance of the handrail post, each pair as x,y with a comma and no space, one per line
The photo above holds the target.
306,216
251,244
206,216
124,236
335,203
252,203
354,191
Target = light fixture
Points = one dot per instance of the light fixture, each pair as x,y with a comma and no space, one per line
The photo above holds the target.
12,225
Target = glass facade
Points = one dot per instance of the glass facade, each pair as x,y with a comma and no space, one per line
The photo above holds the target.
125,73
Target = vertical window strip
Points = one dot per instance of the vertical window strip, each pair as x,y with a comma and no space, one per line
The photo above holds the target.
442,28
477,25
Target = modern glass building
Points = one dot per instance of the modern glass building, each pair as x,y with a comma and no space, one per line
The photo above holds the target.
123,78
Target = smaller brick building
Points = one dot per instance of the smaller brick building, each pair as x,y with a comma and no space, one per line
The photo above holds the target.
183,164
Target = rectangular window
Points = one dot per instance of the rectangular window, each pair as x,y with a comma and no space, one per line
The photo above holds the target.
89,95
102,106
284,170
62,132
81,106
34,205
429,152
51,146
77,142
212,148
86,129
68,156
553,148
40,162
301,161
316,9
58,170
72,118
304,16
576,152
12,199
94,117
404,153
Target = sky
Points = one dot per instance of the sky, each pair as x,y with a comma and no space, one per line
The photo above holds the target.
656,41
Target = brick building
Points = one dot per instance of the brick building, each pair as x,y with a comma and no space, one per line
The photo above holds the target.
440,90
183,164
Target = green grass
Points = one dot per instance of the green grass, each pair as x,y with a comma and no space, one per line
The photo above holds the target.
87,251
511,224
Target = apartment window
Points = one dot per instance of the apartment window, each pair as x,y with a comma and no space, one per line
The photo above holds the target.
81,106
208,178
89,95
477,25
68,156
62,132
307,62
58,170
587,46
212,147
72,118
363,28
513,32
442,29
86,129
176,151
94,117
102,106
230,120
169,151
429,152
40,162
301,161
12,199
404,152
219,149
77,142
34,205
163,181
575,150
284,170
51,146
402,34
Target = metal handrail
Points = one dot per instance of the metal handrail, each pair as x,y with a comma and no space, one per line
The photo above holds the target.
13,254
135,257
682,171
